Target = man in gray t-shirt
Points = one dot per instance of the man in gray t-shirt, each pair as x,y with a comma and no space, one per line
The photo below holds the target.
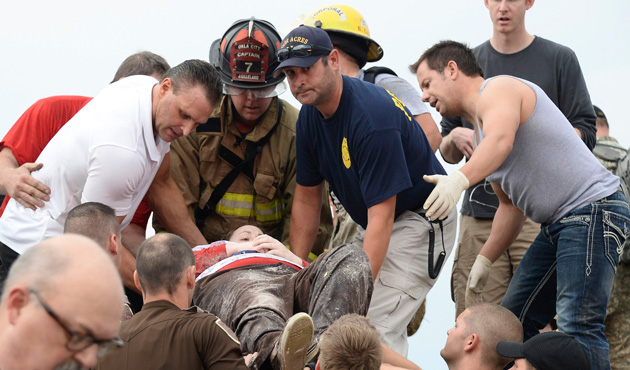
554,68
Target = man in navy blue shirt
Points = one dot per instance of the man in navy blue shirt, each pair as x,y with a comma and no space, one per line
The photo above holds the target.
363,141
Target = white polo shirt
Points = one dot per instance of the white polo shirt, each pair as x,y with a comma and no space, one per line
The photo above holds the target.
106,153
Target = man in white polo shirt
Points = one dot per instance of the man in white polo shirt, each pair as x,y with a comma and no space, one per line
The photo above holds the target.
110,151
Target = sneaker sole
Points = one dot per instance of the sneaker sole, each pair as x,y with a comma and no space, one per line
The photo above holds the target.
295,341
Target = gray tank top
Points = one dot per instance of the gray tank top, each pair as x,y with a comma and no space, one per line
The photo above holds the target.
550,171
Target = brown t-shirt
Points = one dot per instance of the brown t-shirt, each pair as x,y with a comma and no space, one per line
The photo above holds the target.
162,336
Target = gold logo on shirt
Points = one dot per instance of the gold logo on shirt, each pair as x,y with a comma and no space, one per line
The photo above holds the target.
399,104
345,154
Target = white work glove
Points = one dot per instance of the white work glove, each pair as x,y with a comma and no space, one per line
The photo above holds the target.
446,194
477,280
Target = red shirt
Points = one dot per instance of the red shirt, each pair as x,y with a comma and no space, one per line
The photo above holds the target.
209,255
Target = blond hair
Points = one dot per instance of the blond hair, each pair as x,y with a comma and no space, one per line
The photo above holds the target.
351,343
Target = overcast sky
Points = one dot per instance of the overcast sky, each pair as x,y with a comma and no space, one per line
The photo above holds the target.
74,47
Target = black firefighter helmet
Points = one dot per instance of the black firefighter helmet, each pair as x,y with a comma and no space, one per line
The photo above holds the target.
246,55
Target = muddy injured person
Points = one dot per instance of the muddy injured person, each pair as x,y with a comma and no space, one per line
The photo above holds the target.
255,285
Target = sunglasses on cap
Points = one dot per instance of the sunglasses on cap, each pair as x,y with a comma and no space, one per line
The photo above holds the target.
301,51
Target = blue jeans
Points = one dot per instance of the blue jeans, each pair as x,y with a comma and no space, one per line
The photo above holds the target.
569,270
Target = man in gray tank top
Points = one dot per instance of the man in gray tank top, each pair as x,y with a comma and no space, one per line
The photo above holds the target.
511,50
570,267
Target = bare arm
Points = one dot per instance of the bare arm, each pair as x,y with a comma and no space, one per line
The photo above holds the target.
394,361
501,111
17,182
430,129
506,225
127,266
169,207
307,204
457,145
378,232
132,236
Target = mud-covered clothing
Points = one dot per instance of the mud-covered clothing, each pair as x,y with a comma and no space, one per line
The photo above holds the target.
163,336
256,300
198,166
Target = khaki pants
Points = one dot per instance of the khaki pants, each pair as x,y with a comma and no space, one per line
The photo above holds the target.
403,281
473,233
255,301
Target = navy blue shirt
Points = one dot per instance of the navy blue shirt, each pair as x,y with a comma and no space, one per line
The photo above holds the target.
369,150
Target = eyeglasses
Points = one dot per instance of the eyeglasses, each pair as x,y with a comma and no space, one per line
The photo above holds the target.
78,342
259,93
301,51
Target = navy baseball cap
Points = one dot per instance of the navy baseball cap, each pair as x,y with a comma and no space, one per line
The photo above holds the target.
302,47
552,350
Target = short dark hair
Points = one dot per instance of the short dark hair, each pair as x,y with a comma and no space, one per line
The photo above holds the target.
95,220
438,56
195,72
142,63
351,343
493,323
161,262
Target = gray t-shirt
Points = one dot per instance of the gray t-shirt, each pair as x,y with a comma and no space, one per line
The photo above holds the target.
402,89
556,70
549,172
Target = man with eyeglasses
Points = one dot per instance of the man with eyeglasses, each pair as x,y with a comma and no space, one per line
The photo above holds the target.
60,306
167,333
364,142
239,168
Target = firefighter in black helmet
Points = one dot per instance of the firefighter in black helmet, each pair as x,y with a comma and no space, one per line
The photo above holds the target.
240,167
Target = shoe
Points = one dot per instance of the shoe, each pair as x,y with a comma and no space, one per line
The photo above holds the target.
313,351
295,341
